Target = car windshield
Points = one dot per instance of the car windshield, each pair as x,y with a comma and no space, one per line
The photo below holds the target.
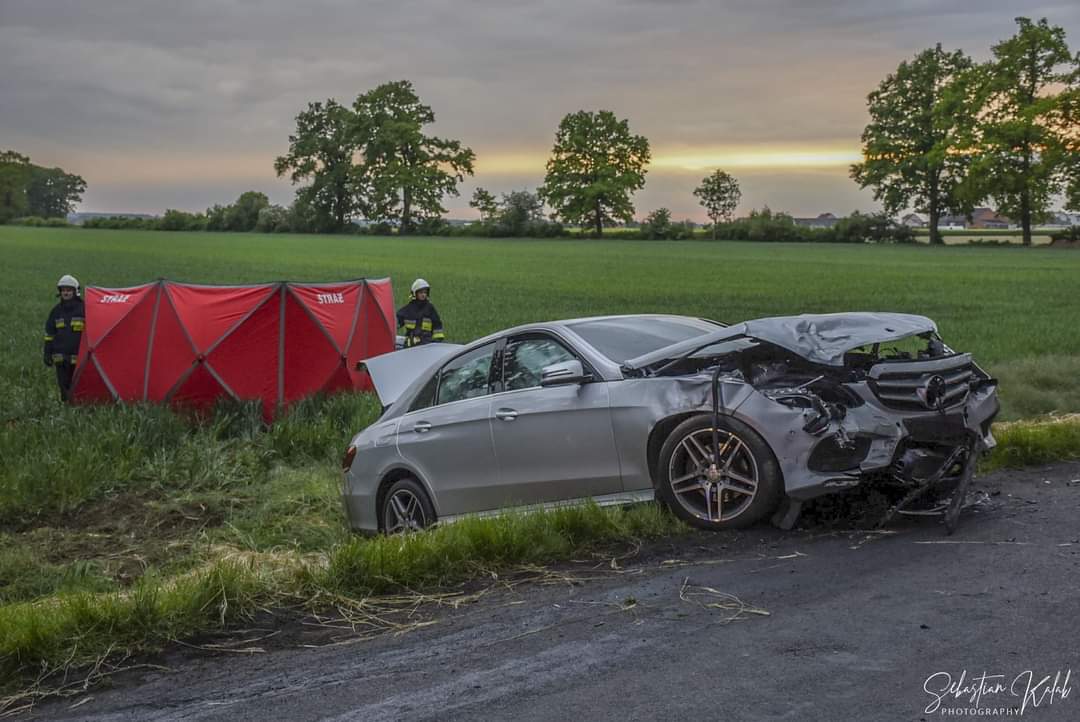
625,338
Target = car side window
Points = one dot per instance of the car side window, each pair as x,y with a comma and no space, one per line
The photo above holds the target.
426,398
466,376
525,358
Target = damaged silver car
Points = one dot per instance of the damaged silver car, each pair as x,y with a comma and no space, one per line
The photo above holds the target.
727,425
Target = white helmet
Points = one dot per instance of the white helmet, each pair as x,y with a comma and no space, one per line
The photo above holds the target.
68,281
420,285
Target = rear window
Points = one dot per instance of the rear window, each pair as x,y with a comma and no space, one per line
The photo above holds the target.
625,338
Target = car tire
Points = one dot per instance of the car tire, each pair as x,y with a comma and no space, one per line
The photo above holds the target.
406,507
746,489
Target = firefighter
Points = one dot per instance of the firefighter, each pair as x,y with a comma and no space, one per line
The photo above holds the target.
63,332
419,317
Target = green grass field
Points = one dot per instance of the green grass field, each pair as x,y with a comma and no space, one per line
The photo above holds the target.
1015,309
109,499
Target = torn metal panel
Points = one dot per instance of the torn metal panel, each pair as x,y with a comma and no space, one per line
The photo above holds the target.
819,338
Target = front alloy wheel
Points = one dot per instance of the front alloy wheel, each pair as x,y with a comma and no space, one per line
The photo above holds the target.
741,487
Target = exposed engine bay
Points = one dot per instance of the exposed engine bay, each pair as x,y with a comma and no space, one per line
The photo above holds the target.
905,412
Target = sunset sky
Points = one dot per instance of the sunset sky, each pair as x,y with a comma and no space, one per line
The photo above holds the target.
186,104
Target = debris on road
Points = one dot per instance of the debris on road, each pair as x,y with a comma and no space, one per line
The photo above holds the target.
736,607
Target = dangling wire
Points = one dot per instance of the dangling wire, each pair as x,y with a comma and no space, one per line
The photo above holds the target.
717,405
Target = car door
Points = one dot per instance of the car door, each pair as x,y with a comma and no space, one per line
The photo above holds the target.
446,436
553,442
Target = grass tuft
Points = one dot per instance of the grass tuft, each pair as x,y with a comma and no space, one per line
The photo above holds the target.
1030,443
69,631
456,552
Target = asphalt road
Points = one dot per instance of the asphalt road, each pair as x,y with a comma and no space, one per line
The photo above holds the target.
857,624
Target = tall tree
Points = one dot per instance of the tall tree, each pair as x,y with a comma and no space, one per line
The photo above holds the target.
909,156
15,172
518,210
321,154
406,172
1066,124
720,194
244,214
1024,144
486,203
52,193
595,166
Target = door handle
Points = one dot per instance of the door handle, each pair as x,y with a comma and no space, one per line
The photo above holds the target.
422,427
506,414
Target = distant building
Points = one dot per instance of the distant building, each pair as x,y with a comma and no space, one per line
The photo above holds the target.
988,218
952,223
1062,220
825,220
913,220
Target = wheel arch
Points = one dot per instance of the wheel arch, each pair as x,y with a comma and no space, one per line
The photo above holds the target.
663,428
659,434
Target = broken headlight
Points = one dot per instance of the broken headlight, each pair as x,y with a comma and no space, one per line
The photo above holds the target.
818,414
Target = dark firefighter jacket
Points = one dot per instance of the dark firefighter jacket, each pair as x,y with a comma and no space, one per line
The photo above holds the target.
63,331
421,321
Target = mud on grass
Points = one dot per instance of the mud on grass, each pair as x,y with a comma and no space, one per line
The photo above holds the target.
105,545
110,543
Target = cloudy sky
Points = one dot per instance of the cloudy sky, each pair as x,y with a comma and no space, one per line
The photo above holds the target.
184,104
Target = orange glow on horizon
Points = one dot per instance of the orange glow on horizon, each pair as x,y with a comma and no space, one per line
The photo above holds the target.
692,159
177,168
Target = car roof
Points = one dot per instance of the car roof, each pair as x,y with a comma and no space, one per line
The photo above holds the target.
568,323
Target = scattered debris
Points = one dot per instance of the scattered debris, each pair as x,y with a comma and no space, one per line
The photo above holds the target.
23,702
958,541
871,534
736,608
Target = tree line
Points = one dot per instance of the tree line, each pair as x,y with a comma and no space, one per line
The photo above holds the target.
946,133
32,190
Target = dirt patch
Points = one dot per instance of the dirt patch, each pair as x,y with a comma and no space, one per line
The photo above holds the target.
124,534
1065,243
144,513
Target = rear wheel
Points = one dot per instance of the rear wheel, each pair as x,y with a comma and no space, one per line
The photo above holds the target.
406,507
742,488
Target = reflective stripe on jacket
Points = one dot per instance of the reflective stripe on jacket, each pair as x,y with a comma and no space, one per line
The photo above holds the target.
421,323
63,331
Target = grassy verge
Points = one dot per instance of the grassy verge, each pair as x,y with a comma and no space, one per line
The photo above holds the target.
240,568
1030,443
52,635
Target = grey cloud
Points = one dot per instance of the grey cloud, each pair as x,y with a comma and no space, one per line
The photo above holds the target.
230,76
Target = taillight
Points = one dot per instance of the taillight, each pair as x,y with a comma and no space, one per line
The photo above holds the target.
347,460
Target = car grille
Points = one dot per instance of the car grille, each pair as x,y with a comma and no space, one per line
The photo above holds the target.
923,385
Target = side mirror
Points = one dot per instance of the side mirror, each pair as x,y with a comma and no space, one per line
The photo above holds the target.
567,372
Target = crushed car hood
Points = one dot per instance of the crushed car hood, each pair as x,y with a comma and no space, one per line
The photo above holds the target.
819,338
392,373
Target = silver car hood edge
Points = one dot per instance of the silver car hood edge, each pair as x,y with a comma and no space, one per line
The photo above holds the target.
821,338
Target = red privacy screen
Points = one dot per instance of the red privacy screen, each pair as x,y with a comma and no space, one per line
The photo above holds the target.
191,345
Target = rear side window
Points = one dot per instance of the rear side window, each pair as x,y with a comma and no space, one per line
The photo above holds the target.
466,376
525,358
426,397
